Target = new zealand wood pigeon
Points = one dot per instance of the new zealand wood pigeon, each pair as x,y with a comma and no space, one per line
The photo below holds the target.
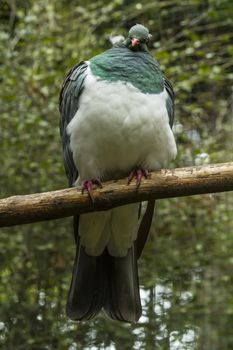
117,111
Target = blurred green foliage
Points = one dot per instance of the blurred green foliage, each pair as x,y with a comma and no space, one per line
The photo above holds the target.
186,271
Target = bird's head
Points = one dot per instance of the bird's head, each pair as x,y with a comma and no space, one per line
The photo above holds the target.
138,38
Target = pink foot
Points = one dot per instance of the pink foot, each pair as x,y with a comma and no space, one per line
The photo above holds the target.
138,173
88,186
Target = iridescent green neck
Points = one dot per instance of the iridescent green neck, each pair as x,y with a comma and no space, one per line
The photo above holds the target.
121,64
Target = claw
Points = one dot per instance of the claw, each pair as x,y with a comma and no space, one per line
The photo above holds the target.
131,176
88,186
138,173
97,182
138,178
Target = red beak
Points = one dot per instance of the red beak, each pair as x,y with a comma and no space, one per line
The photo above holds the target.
135,42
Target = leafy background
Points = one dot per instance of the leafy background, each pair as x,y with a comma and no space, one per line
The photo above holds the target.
186,271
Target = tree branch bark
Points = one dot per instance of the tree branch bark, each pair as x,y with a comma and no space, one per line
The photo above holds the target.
166,183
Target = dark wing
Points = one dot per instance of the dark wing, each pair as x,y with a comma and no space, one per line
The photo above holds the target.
68,105
85,298
170,101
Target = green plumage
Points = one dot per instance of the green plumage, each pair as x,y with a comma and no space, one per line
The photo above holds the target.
136,67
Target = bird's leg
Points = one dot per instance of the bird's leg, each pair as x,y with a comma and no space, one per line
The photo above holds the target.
88,186
137,173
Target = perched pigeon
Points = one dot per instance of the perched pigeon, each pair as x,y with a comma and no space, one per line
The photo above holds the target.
116,116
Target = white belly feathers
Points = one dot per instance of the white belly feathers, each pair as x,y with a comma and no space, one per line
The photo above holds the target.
115,129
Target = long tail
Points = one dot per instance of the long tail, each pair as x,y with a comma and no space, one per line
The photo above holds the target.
107,282
123,302
88,285
104,282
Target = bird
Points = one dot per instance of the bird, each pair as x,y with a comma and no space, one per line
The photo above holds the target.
117,112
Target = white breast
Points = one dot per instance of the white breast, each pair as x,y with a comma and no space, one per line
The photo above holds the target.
117,128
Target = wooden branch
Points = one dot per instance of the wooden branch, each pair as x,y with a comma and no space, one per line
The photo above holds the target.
160,184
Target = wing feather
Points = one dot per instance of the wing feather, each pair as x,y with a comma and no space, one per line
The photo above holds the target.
68,105
170,101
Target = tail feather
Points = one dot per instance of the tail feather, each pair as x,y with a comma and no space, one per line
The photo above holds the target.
144,227
123,299
105,282
87,289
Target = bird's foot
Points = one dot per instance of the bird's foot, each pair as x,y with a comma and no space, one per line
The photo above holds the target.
137,173
88,186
